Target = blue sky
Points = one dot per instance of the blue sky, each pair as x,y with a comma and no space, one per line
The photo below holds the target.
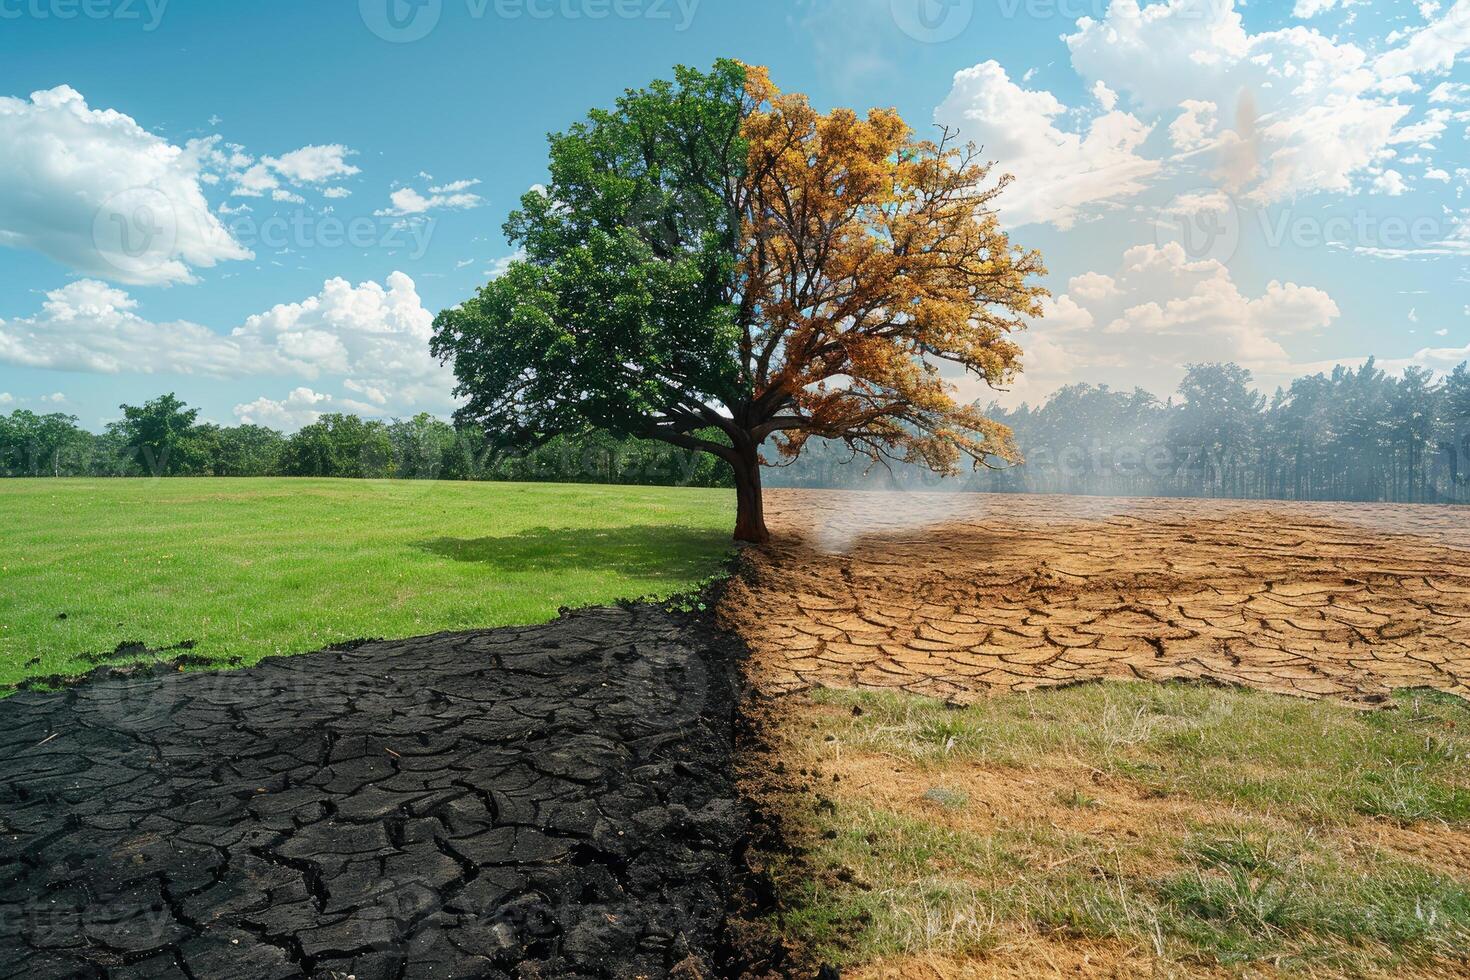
1280,184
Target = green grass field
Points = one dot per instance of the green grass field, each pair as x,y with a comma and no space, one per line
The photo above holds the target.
252,568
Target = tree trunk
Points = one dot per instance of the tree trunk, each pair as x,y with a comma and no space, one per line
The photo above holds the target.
750,513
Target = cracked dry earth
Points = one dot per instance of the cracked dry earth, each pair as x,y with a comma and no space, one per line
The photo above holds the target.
541,802
963,596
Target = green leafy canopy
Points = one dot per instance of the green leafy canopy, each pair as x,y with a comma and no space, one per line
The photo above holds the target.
619,315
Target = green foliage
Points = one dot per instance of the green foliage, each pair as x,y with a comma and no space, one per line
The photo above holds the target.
245,450
423,447
1248,892
162,436
162,439
618,317
339,446
598,457
41,445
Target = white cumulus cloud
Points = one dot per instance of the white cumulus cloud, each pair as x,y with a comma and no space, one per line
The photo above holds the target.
377,334
89,325
1195,126
1307,9
453,196
1060,172
1432,48
314,164
1453,92
1142,323
300,408
97,192
374,337
1288,112
1390,182
1440,360
310,167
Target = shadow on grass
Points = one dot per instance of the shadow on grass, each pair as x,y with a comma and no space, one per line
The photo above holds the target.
652,551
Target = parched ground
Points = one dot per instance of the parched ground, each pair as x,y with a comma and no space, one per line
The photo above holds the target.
561,800
549,801
953,803
964,596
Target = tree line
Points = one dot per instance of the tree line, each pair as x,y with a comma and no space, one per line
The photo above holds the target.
1353,434
164,438
1357,434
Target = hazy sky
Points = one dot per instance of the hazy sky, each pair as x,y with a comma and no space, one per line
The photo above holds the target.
261,205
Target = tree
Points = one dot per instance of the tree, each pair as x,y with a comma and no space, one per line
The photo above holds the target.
343,446
1217,424
41,445
111,456
422,446
246,450
162,436
714,255
1455,429
1087,439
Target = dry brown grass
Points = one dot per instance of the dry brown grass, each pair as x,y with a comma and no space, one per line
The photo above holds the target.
1118,854
1117,829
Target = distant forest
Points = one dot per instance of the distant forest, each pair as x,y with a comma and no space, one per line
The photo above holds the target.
1359,435
164,438
1355,434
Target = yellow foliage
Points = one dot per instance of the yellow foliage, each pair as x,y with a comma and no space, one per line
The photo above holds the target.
870,259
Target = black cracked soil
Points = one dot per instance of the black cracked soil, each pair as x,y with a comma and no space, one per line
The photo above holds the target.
552,801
